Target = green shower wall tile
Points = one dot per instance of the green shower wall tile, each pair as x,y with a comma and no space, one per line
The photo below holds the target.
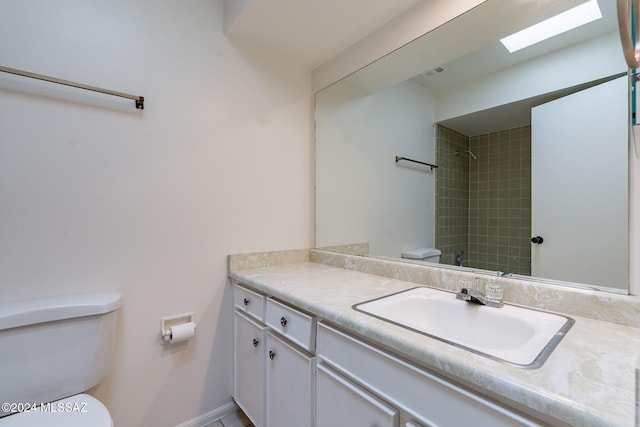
485,203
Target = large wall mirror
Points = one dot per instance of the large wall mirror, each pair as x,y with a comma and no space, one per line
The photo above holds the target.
529,150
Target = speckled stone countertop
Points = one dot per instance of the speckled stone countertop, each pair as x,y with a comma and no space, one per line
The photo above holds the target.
588,380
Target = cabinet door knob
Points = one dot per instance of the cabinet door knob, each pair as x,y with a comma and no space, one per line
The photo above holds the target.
271,354
537,240
255,342
283,321
245,301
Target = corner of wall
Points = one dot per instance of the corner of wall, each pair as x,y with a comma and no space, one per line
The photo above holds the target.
232,9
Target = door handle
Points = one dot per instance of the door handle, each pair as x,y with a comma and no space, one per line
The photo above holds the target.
537,240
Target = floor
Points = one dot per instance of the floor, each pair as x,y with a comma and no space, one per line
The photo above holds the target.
237,419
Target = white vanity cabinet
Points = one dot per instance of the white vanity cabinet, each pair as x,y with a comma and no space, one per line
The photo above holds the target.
292,371
274,367
422,398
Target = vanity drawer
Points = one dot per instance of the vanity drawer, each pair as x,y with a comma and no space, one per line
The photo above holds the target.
342,403
249,301
298,327
430,399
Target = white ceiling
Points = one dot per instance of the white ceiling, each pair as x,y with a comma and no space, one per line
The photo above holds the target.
467,48
310,31
494,58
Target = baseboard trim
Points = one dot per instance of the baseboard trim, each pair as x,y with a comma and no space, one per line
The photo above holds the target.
211,416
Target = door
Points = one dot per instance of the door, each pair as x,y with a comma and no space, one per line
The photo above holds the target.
290,385
249,368
579,187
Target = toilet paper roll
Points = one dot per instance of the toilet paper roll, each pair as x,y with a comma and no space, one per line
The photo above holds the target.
182,332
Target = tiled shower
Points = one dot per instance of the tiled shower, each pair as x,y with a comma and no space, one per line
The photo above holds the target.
483,205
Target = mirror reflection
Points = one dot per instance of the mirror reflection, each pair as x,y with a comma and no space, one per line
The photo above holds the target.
531,150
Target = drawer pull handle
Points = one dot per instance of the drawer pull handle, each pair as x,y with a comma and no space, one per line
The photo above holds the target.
255,342
271,354
246,301
283,321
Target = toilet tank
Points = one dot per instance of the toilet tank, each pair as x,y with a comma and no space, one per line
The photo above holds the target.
423,254
51,348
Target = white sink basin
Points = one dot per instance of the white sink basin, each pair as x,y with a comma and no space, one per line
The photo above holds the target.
515,335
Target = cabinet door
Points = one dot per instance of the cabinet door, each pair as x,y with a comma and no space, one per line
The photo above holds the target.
290,385
341,403
249,368
429,399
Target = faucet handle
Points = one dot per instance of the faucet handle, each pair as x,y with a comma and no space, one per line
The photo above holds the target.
463,295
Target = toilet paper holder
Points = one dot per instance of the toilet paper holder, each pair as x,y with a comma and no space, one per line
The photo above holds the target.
169,322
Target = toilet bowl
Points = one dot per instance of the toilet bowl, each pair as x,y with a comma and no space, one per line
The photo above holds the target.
52,350
423,254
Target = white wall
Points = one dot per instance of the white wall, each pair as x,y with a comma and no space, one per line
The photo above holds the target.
97,196
357,139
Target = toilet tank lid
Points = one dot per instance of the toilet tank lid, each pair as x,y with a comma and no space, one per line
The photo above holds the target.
421,253
14,314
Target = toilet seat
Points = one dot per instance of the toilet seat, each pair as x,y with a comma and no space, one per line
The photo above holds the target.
80,410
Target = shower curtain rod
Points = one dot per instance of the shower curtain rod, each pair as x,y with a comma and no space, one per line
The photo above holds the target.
138,99
398,158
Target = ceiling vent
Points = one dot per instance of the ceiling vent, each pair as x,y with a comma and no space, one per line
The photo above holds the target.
434,71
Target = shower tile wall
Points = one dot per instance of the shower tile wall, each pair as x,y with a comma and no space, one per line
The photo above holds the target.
493,224
500,201
452,193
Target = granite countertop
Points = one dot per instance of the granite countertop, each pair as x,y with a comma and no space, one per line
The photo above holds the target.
588,380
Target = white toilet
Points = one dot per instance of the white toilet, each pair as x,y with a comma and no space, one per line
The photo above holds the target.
51,351
423,254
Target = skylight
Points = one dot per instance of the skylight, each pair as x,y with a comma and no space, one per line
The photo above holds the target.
558,24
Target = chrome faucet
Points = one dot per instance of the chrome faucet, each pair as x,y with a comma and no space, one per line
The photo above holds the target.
477,297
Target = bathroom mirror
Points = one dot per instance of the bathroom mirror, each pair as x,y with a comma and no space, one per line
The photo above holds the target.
529,150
